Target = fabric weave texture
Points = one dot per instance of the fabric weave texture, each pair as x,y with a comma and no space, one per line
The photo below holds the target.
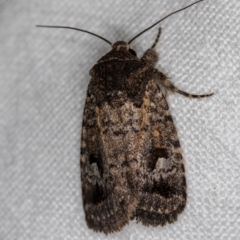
43,82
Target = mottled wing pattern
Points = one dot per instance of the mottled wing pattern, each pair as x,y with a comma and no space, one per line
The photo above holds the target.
107,198
131,162
163,187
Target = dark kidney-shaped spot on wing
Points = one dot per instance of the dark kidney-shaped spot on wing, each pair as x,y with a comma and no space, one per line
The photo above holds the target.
98,160
156,153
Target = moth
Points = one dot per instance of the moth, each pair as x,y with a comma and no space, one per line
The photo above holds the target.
131,161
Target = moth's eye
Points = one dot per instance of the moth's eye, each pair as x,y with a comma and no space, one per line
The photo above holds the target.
132,52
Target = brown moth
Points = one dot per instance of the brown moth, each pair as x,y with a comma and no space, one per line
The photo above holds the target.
131,160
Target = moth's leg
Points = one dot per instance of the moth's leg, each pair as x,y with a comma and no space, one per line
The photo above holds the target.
151,56
165,81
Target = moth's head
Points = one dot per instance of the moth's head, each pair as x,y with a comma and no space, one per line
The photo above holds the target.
123,46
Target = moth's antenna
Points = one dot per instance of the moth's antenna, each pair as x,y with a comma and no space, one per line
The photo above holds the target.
162,20
78,29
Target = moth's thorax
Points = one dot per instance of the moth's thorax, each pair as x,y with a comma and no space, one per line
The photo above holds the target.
119,71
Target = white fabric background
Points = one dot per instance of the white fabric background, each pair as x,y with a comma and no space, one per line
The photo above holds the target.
43,82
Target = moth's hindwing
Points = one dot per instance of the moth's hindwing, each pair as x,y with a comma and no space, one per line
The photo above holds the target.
131,161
